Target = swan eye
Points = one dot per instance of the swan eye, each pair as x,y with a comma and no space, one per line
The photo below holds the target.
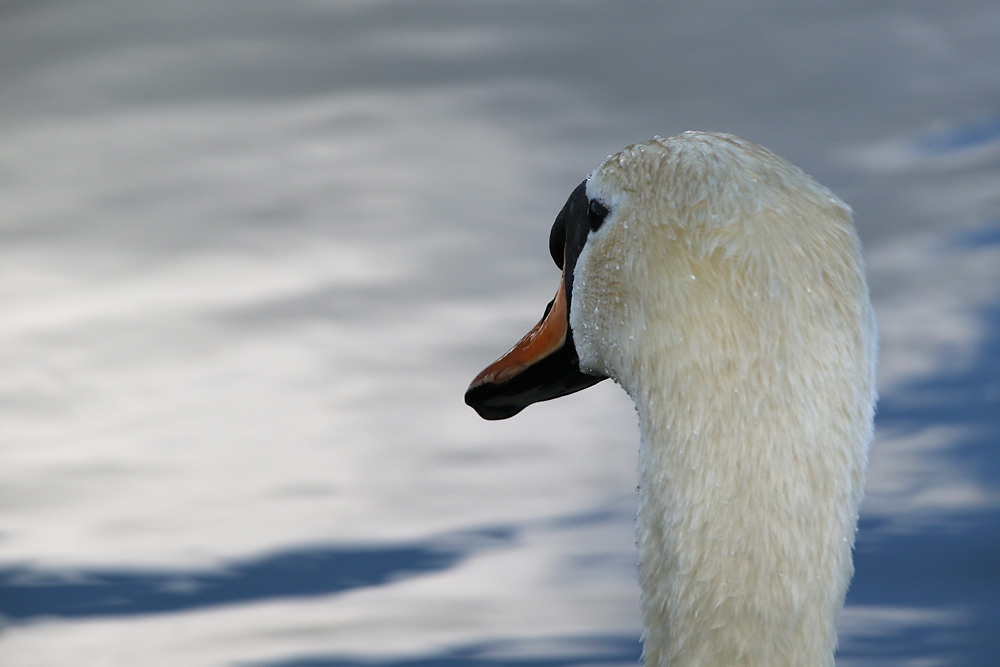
596,214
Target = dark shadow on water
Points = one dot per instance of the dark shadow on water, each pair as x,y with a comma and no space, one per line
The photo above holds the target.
955,567
27,593
934,569
982,237
914,645
968,399
957,570
600,650
961,136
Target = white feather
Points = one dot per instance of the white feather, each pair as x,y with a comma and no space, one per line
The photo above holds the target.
726,294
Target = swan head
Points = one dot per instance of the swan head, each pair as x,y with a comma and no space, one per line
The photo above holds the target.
678,250
724,290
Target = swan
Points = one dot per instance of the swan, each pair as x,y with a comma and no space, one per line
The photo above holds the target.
723,289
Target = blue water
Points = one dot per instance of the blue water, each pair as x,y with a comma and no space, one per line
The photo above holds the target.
31,594
252,253
974,134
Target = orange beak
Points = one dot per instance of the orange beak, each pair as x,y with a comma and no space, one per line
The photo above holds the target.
544,338
542,365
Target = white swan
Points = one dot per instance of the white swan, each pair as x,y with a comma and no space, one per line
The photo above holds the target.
724,290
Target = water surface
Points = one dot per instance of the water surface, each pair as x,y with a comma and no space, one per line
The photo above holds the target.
253,252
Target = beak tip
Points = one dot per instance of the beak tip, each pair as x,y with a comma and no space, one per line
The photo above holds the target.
489,410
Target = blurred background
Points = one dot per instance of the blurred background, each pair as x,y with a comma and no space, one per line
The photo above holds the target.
252,252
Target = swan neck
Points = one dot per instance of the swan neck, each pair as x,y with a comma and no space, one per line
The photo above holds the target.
746,520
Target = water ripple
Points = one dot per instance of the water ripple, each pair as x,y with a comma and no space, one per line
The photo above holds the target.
306,572
600,650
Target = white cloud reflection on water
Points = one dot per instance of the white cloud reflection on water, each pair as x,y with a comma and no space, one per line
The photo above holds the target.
252,257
